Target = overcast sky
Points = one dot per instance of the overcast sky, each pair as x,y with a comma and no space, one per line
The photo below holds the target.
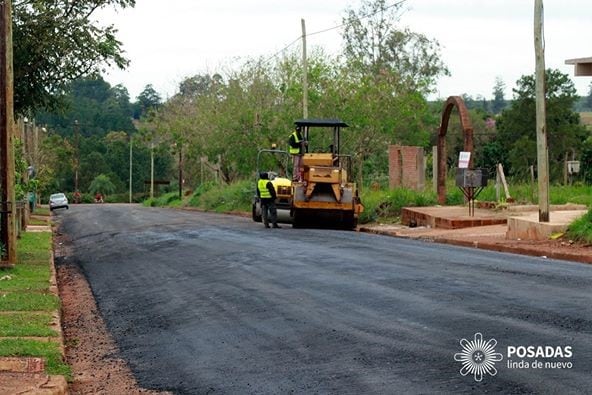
167,41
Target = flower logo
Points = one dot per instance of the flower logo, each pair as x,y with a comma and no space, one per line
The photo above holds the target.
478,357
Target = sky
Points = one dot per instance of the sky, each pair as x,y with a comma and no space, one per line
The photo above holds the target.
480,40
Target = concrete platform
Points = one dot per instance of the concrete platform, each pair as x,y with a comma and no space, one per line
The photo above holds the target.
457,217
451,217
528,227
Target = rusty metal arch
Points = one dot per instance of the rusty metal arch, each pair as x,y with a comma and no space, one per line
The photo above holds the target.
467,127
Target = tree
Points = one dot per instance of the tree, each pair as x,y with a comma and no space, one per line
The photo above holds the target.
374,45
98,108
499,102
517,124
56,42
147,100
101,184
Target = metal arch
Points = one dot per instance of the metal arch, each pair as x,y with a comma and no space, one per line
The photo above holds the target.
467,127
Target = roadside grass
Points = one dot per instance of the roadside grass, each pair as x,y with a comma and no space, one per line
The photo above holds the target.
42,210
581,228
33,348
211,197
235,197
26,324
37,221
27,305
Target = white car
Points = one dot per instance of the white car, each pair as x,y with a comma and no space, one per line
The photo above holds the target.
58,200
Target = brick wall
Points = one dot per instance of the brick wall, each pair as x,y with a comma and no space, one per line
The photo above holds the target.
406,167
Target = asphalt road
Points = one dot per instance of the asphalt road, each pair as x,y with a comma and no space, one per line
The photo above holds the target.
206,303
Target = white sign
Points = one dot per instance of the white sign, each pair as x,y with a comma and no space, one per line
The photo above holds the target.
463,160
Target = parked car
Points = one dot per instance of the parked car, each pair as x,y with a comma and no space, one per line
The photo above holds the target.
58,200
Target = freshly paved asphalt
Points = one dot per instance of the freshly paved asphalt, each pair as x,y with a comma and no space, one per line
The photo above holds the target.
206,303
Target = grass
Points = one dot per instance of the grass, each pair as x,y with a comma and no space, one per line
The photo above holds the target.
41,210
386,205
26,324
219,198
28,301
50,351
211,197
35,221
581,228
26,305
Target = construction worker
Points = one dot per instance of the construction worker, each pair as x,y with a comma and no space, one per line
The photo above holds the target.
297,148
267,196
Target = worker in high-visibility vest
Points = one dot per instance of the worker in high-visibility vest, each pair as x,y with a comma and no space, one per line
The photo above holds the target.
267,196
297,148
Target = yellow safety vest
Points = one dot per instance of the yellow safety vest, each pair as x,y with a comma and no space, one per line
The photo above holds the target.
263,191
295,150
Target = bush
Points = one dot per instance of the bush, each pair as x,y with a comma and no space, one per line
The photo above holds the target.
223,198
168,199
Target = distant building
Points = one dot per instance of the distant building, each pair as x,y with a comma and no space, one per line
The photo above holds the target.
582,66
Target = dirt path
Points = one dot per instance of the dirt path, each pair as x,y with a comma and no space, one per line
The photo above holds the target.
90,350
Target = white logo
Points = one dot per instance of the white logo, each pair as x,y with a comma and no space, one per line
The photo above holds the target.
478,357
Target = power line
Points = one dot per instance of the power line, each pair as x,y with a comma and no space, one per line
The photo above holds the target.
359,18
334,28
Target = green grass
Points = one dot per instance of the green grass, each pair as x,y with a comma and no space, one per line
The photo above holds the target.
31,348
26,305
26,324
42,210
581,228
387,204
30,277
219,198
170,199
33,247
36,221
28,301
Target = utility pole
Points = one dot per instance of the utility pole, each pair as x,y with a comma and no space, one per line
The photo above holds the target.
130,167
151,169
7,193
180,171
76,153
304,73
541,125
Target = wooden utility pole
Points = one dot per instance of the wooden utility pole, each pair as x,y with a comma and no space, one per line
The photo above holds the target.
541,124
180,171
76,153
130,168
7,193
304,73
151,170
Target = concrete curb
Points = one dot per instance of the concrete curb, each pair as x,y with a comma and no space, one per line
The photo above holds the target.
530,251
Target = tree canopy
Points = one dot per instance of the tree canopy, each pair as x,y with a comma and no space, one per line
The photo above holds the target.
517,125
56,42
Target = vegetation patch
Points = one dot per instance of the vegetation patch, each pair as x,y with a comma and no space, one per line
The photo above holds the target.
50,351
26,324
27,306
28,301
581,228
